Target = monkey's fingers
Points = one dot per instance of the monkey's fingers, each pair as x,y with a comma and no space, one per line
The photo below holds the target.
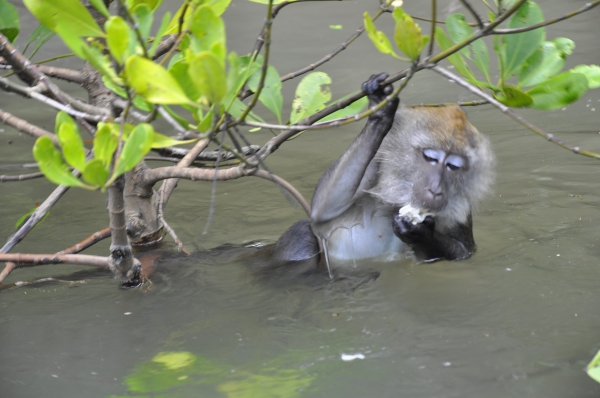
373,85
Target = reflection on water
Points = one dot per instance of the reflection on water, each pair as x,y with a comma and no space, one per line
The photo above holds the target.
520,318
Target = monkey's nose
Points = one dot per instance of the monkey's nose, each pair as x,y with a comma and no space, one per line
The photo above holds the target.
435,194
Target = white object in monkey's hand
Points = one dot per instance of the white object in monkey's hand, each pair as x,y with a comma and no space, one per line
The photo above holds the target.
415,215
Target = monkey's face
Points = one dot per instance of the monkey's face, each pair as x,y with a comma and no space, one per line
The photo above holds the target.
439,174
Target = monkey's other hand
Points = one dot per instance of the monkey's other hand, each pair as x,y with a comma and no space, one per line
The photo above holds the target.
411,233
377,92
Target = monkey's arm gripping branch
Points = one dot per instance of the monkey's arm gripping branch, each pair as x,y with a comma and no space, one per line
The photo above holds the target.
339,185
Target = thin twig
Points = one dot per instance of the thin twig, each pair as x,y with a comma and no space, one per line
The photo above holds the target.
31,92
69,75
585,8
25,127
329,56
21,177
433,24
285,185
460,103
38,215
265,65
87,242
43,259
213,193
506,110
473,12
170,231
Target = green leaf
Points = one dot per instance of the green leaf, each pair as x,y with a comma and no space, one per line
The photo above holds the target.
352,109
72,146
336,27
159,34
233,72
63,117
455,59
205,121
207,29
69,13
101,7
106,141
51,163
218,6
173,26
101,63
153,82
521,46
163,141
559,91
592,72
117,37
182,121
270,95
544,63
40,36
246,69
593,368
564,45
95,173
209,76
267,1
238,107
143,17
513,96
152,4
312,94
407,35
379,39
180,71
459,30
9,20
138,144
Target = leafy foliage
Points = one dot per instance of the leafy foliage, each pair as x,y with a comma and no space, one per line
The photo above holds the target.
9,20
538,64
97,171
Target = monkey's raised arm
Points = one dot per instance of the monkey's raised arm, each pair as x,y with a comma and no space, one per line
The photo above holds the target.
338,187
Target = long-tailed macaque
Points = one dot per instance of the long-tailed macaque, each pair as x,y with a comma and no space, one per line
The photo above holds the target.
430,158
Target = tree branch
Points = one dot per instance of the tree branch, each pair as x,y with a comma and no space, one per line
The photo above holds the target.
43,259
506,110
31,92
473,12
25,127
285,185
585,8
87,242
21,177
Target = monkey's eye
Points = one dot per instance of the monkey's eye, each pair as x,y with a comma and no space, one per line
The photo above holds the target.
432,156
454,162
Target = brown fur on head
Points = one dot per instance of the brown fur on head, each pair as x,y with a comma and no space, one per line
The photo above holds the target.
440,128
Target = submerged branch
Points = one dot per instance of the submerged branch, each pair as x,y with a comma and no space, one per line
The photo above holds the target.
43,259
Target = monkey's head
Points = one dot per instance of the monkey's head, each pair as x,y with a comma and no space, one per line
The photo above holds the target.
434,159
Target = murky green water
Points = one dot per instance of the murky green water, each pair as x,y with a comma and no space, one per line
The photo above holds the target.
518,319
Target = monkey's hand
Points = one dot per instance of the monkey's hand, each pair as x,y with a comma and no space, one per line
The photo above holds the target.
413,234
376,93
